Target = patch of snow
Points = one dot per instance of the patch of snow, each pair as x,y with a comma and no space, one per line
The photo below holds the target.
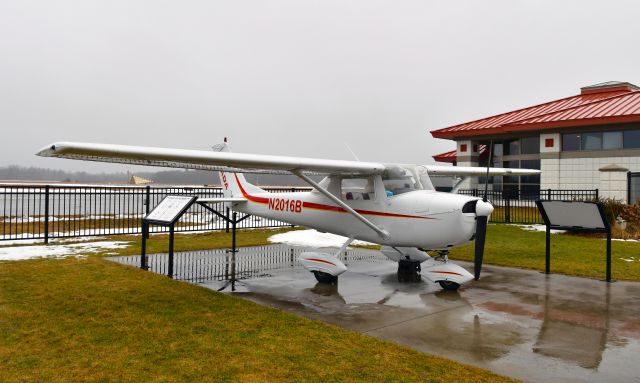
20,242
57,251
312,238
541,228
623,240
14,242
630,259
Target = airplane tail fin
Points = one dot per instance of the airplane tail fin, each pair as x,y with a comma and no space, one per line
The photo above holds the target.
234,184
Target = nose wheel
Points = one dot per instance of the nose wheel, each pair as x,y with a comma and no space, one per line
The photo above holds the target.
325,277
448,285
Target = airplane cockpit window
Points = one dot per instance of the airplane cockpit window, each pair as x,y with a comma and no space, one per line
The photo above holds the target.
423,176
399,180
358,189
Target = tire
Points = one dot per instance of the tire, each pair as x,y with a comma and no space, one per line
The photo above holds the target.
449,286
325,277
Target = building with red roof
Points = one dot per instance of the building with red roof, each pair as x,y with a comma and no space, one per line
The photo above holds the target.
587,141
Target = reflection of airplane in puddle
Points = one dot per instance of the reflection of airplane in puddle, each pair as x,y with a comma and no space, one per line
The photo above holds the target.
571,330
393,205
570,333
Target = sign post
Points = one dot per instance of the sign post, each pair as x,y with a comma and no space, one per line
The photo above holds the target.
576,216
167,213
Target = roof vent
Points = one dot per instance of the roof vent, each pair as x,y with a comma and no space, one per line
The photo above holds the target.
609,86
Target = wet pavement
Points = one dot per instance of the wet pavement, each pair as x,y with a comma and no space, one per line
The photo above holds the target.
517,323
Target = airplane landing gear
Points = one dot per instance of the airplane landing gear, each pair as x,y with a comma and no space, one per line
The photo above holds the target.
409,271
449,285
325,277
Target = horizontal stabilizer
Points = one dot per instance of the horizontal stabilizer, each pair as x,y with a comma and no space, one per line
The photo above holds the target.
216,200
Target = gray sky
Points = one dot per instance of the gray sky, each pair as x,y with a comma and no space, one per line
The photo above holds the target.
293,77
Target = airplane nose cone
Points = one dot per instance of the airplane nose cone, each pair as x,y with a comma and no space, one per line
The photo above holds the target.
483,209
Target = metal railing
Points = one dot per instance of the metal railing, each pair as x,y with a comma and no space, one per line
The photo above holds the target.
515,206
42,212
64,211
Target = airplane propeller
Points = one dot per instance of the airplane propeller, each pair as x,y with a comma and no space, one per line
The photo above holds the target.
483,210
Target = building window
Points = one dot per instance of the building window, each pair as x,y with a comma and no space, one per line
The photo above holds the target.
497,150
612,140
530,145
628,139
533,179
591,141
548,142
511,179
463,148
570,142
512,148
631,139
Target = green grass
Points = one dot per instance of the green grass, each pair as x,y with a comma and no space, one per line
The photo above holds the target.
93,320
570,254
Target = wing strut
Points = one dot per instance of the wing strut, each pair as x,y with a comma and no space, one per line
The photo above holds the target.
383,233
458,184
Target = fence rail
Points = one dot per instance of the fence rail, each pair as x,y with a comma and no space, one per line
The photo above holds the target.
520,207
47,211
65,211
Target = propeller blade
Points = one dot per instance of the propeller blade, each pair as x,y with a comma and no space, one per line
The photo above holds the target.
481,222
481,234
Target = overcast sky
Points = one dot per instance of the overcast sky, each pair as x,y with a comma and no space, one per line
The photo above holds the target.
295,77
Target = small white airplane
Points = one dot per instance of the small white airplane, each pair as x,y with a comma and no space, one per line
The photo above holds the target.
394,205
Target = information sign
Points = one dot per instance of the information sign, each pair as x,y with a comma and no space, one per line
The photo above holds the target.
170,209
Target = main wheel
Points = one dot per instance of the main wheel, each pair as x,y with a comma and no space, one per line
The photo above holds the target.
323,277
448,285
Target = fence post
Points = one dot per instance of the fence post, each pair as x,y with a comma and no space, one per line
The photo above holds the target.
147,199
549,194
507,210
226,229
46,214
597,194
147,206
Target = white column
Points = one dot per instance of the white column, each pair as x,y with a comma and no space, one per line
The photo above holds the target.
467,155
550,161
613,182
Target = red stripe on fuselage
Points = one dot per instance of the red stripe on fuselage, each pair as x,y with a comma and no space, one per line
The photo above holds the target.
320,260
446,272
318,206
249,196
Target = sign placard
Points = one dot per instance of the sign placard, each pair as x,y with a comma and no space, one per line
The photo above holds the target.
170,209
574,214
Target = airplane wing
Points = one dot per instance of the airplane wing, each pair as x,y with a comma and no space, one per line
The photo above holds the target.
204,160
465,171
241,162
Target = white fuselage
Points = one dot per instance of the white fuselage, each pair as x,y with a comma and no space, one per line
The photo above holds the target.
422,218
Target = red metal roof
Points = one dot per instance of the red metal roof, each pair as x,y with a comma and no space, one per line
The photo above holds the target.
451,156
606,103
446,157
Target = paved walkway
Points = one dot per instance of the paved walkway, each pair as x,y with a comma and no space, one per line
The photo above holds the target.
518,323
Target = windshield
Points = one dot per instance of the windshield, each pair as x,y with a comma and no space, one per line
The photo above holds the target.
399,180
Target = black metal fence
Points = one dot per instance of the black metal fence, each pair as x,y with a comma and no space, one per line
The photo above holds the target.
520,207
47,211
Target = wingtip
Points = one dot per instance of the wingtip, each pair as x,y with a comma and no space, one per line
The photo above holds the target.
49,150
